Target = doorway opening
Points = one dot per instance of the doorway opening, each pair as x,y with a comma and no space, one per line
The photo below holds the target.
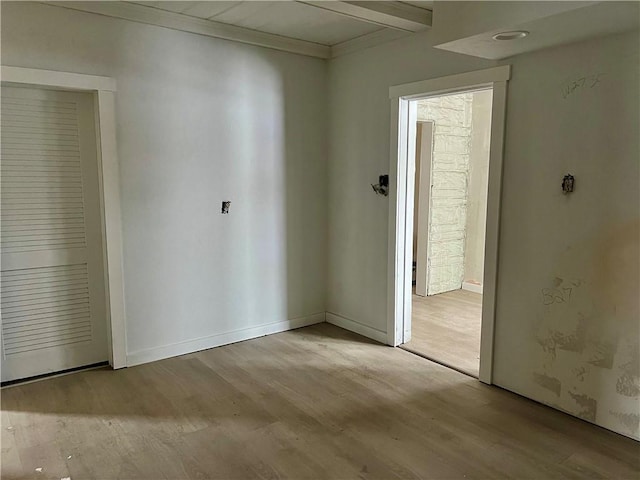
453,133
426,120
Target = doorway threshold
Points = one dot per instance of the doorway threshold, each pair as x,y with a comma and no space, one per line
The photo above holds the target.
439,362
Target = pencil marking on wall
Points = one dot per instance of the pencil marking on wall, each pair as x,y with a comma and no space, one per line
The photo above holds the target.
589,406
582,83
561,292
556,295
550,383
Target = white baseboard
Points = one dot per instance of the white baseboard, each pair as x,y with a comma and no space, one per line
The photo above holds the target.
472,287
204,343
359,328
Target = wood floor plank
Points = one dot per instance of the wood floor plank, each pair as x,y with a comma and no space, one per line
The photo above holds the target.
318,402
446,328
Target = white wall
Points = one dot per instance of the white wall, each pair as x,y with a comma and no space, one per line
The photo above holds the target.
201,120
581,355
477,189
359,152
568,319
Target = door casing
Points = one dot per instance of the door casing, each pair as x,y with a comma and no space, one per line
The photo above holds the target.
401,176
103,90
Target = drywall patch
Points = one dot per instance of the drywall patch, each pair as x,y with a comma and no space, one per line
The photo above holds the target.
628,384
580,373
550,383
571,341
602,352
589,406
630,421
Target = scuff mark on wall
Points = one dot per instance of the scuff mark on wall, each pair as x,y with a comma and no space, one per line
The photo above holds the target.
589,406
630,421
550,383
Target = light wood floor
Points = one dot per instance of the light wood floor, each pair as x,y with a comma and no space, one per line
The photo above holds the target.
318,402
446,328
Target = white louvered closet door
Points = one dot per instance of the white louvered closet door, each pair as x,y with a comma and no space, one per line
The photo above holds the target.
52,290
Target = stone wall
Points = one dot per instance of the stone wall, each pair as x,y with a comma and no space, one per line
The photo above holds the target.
451,115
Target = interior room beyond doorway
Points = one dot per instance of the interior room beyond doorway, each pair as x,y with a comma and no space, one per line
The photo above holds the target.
450,208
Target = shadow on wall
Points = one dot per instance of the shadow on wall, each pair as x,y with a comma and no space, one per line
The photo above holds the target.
248,137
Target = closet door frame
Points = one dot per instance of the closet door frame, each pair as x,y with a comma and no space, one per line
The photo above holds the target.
103,90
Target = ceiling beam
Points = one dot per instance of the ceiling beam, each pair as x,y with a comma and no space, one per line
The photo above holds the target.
367,41
397,15
185,23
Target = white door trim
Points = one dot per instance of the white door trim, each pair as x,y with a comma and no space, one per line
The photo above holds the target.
402,168
103,89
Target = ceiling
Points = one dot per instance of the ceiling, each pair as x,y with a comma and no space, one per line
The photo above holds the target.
323,23
558,23
330,28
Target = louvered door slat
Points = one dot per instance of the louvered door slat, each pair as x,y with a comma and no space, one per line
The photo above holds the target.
53,313
35,298
31,315
62,321
34,276
26,289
